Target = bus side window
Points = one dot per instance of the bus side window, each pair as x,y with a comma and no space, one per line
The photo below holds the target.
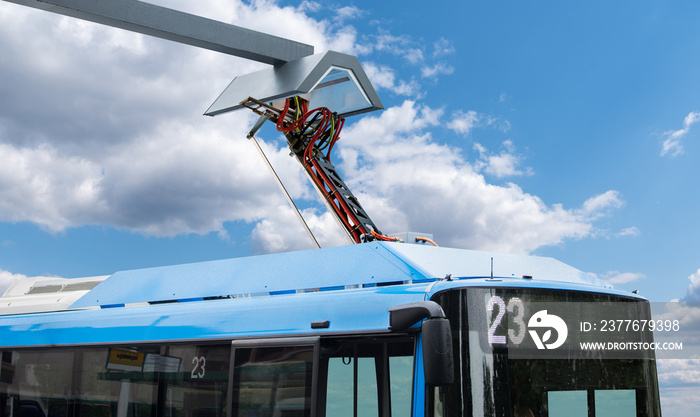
371,378
272,381
134,381
340,388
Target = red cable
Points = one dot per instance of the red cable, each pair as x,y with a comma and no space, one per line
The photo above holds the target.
344,212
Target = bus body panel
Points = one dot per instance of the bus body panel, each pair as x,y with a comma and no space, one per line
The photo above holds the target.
360,311
185,318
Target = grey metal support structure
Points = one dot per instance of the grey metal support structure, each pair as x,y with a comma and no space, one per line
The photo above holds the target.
180,27
301,77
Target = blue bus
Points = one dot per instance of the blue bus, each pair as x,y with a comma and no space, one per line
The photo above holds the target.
375,329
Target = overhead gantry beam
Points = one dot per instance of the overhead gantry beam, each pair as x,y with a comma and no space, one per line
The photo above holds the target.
177,26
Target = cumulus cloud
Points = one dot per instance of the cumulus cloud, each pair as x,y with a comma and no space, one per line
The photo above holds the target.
679,382
115,137
673,144
404,173
507,163
40,186
600,205
282,231
400,45
675,372
463,122
693,293
178,179
383,77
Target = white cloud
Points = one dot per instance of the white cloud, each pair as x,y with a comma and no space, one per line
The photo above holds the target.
679,382
7,278
402,46
119,138
176,178
282,231
404,174
119,141
463,122
348,12
693,293
414,52
443,47
674,372
505,164
687,333
40,186
628,231
599,205
617,278
673,145
383,77
498,123
193,179
436,69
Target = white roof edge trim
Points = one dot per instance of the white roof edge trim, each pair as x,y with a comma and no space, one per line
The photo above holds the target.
44,294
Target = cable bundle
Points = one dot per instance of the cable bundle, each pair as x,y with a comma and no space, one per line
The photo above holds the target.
320,126
310,133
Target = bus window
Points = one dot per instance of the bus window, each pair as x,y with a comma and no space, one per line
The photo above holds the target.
503,373
567,403
38,379
200,390
272,381
339,389
401,385
135,381
606,403
615,403
368,378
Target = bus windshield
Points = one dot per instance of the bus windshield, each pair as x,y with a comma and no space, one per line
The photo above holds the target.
527,352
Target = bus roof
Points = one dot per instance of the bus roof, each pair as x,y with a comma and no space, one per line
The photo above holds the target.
350,287
354,266
369,264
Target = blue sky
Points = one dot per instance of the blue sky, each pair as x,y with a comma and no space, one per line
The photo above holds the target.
550,128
